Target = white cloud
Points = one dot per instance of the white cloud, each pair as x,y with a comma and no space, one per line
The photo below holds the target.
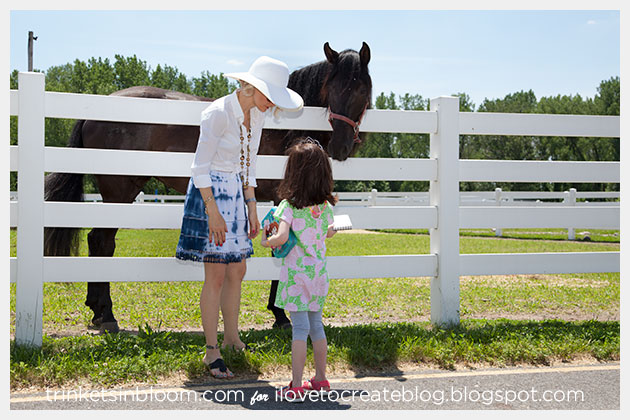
591,22
233,62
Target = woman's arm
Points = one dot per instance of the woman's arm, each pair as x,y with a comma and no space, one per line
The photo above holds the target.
280,238
211,129
252,212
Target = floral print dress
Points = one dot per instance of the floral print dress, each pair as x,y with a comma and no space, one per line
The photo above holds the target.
303,277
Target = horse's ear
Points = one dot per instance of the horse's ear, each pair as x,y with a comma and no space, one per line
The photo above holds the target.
365,54
331,55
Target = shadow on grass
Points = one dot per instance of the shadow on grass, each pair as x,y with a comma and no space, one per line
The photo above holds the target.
371,349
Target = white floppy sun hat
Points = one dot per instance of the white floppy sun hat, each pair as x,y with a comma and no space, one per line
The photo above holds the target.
271,77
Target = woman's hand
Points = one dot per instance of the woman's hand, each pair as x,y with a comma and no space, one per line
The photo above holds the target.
252,214
254,224
216,225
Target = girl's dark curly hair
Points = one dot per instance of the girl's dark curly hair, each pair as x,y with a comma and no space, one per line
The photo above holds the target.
307,176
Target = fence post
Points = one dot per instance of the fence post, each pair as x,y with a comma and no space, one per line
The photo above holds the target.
444,194
30,231
569,200
373,194
497,200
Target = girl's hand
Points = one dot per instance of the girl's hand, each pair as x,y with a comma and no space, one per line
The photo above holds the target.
264,242
331,231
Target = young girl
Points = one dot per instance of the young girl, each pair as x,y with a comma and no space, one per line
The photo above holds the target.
306,208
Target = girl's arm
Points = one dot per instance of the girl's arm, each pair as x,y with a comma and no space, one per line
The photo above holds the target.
331,232
279,238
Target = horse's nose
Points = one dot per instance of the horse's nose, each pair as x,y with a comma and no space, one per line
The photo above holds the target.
341,157
339,152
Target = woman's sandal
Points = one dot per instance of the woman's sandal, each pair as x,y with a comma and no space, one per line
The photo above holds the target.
218,363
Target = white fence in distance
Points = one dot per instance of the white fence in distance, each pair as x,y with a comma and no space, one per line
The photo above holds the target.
408,198
443,215
476,198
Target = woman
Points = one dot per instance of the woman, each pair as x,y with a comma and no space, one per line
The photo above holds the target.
220,218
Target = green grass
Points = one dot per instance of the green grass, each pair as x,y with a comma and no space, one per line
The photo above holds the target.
149,356
595,235
372,323
174,305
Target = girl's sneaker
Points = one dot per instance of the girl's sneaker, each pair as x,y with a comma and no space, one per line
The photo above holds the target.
319,386
292,394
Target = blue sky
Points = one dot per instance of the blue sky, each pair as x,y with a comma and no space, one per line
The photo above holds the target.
484,53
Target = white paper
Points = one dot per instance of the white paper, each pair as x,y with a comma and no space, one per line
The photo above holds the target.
342,222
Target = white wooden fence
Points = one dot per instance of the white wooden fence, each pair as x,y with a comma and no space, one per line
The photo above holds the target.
487,198
443,215
476,198
406,198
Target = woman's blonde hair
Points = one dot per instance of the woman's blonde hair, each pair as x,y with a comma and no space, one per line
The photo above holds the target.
246,88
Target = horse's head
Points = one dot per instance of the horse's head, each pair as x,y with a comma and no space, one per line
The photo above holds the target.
348,93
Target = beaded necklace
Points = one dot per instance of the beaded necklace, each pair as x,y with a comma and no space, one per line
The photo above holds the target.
315,210
245,179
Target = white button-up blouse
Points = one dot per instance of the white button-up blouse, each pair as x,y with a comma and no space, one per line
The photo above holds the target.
219,146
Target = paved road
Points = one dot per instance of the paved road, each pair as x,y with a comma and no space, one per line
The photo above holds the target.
586,387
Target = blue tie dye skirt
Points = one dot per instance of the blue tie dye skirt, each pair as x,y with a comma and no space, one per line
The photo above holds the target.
194,239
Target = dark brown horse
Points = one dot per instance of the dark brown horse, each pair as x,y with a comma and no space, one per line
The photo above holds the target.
340,83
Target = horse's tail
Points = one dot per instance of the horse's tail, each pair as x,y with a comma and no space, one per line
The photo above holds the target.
64,187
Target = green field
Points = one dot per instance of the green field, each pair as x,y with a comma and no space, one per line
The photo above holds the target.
373,324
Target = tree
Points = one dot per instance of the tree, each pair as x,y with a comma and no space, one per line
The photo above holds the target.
98,76
392,145
170,78
379,144
608,97
130,71
501,147
508,147
212,86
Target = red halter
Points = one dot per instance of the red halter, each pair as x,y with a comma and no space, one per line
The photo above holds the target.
354,124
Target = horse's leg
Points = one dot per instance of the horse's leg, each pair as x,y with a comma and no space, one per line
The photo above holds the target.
281,318
101,243
266,191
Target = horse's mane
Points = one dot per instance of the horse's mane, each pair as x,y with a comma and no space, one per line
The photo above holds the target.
311,81
308,82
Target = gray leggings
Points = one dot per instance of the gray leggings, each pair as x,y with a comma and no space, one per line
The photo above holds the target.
307,323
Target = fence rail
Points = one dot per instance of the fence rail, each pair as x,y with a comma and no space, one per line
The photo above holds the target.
443,214
402,198
151,269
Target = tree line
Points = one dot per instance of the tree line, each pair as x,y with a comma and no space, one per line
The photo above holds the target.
102,77
405,145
